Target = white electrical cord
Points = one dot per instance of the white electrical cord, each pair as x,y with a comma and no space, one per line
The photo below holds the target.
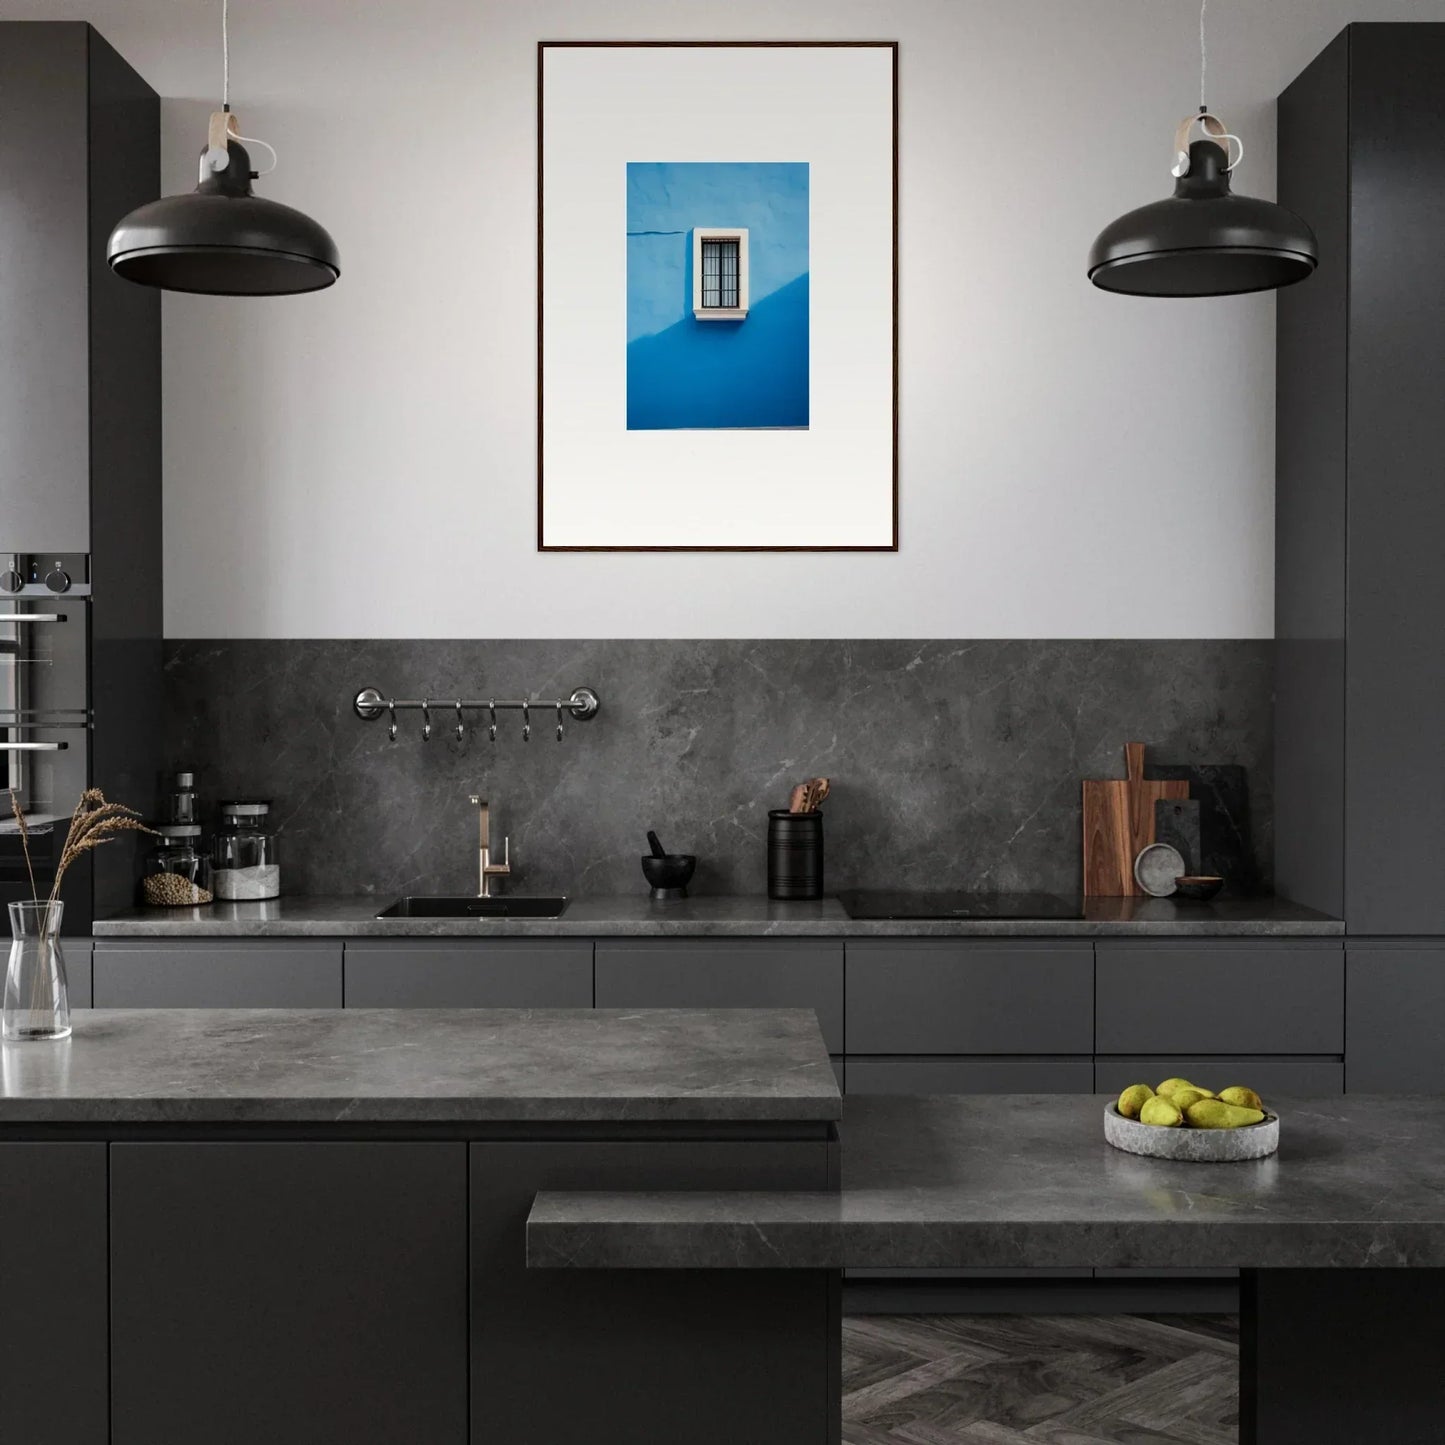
216,158
1203,54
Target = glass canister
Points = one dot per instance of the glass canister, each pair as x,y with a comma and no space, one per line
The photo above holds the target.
178,869
245,866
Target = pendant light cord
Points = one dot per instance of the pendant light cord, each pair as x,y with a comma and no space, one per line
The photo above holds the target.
226,53
1203,55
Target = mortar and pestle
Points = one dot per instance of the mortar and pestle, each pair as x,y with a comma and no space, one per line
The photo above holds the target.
669,873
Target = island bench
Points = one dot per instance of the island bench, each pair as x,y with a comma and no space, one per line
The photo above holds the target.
1340,1236
307,1227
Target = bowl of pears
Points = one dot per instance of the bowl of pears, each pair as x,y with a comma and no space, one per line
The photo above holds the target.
1183,1120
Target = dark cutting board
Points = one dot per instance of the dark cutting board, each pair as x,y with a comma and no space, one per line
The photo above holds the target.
1225,845
1176,822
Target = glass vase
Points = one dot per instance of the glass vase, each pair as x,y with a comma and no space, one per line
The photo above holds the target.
37,1000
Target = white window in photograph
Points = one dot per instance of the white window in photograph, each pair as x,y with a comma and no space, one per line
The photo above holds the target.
720,273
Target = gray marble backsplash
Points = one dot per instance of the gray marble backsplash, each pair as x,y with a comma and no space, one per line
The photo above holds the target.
954,764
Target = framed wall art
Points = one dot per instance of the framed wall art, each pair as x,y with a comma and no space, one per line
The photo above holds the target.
717,331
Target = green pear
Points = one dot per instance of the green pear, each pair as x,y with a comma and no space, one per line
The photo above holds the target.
1245,1098
1215,1114
1162,1112
1183,1098
1133,1099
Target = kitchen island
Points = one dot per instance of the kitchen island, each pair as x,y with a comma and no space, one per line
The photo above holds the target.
309,1226
1340,1236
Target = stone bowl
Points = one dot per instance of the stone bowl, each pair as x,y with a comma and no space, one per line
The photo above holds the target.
1193,1146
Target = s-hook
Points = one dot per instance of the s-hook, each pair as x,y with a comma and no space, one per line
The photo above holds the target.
526,722
559,722
461,724
391,708
492,726
426,719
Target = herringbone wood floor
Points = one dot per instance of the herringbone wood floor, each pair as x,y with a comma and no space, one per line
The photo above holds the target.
1040,1380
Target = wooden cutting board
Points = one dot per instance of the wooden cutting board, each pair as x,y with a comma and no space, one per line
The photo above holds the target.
1118,822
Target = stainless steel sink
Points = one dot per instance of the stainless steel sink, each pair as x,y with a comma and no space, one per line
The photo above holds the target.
474,907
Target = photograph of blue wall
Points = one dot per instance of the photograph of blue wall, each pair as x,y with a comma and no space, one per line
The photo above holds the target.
704,235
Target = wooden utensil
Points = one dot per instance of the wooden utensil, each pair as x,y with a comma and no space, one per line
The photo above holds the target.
1119,822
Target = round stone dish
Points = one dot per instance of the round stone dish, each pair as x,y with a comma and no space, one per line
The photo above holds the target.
1194,1146
1156,868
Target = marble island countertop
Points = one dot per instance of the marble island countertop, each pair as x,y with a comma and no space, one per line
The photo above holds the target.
720,916
423,1066
1027,1181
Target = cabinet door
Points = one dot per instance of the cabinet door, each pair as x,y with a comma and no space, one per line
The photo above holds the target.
970,1076
288,1293
483,973
700,973
1301,1077
198,974
952,996
77,953
53,1359
1239,997
44,292
1396,1039
661,1356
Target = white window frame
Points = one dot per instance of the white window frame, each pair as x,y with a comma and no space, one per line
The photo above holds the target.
720,233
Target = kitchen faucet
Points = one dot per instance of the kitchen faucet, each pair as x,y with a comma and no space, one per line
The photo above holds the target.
487,869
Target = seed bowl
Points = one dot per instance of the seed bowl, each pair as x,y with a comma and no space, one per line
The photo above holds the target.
1192,1146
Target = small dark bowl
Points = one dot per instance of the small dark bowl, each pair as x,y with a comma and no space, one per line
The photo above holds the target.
1200,887
670,874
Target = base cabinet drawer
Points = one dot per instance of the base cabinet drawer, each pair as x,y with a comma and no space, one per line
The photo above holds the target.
970,1076
1164,998
1267,1076
688,973
1396,1040
947,996
197,974
487,973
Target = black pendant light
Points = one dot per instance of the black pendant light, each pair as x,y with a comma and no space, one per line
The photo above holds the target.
1203,240
222,239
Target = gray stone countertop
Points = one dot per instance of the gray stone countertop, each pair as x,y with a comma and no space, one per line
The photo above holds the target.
1027,1181
400,1066
739,917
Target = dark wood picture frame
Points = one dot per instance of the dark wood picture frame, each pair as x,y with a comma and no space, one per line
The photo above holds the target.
542,47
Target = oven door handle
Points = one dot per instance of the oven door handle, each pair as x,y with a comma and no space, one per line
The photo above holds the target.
31,617
33,747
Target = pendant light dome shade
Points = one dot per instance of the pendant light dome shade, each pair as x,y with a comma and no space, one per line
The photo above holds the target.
224,240
1203,240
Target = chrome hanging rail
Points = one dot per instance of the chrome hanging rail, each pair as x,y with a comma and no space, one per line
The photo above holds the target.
370,703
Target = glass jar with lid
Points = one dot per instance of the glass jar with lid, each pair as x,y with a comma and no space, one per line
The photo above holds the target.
244,862
178,869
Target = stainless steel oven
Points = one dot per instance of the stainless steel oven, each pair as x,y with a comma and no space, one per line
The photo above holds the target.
45,721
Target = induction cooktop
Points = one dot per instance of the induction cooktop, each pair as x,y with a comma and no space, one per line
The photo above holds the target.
871,903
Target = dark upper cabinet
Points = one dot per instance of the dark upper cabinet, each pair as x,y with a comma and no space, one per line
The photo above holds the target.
79,349
1360,509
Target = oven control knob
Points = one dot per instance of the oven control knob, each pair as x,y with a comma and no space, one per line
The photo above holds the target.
58,580
11,581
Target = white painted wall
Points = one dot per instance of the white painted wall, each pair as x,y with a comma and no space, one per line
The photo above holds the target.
361,463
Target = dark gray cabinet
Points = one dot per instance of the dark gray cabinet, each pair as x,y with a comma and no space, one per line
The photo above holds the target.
1271,1076
54,1273
1241,997
1396,995
1360,511
77,953
970,1076
463,973
298,1294
745,1339
707,973
195,973
957,996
